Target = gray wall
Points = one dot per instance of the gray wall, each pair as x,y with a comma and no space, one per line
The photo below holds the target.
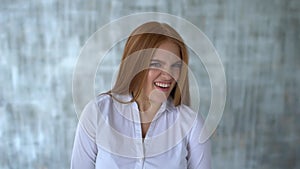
258,42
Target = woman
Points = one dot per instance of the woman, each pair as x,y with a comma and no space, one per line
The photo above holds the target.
144,121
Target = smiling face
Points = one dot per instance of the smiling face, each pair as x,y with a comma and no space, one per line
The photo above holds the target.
164,70
133,77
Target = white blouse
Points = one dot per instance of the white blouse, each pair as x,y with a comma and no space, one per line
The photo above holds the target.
109,136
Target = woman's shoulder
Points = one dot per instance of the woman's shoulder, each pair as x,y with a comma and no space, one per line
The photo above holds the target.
88,118
108,102
195,117
103,97
91,109
111,97
187,110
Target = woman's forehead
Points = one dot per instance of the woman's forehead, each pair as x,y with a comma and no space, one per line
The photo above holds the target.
167,51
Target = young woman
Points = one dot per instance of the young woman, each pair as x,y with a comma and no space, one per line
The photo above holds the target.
144,121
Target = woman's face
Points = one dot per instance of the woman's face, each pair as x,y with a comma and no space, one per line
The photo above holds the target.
164,71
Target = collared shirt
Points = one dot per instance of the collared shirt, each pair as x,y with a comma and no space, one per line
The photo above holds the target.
109,136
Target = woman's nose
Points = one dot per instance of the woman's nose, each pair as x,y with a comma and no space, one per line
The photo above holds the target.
166,75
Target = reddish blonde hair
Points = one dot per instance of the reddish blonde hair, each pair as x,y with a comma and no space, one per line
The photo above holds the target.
133,69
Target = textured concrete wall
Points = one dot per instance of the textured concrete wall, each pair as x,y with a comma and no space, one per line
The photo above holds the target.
258,42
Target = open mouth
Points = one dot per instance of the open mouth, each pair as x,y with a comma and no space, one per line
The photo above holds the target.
162,86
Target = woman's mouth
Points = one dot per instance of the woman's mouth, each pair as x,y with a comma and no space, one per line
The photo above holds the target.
162,86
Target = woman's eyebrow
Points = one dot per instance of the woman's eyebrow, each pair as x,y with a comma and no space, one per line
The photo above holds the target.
156,60
180,61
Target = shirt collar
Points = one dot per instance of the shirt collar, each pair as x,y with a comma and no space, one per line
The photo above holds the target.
166,106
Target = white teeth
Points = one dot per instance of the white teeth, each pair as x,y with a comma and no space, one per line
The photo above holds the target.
162,84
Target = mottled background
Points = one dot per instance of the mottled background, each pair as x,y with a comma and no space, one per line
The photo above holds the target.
258,42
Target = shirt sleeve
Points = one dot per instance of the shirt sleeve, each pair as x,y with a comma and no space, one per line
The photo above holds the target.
85,149
199,154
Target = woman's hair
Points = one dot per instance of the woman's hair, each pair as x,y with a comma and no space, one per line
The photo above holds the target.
136,58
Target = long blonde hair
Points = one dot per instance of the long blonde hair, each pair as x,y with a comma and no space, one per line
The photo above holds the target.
135,61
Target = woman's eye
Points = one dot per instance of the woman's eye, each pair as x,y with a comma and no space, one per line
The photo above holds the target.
155,65
177,65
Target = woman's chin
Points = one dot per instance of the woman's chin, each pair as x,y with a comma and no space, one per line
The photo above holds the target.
157,96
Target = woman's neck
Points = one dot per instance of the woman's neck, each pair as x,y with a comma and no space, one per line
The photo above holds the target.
147,108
